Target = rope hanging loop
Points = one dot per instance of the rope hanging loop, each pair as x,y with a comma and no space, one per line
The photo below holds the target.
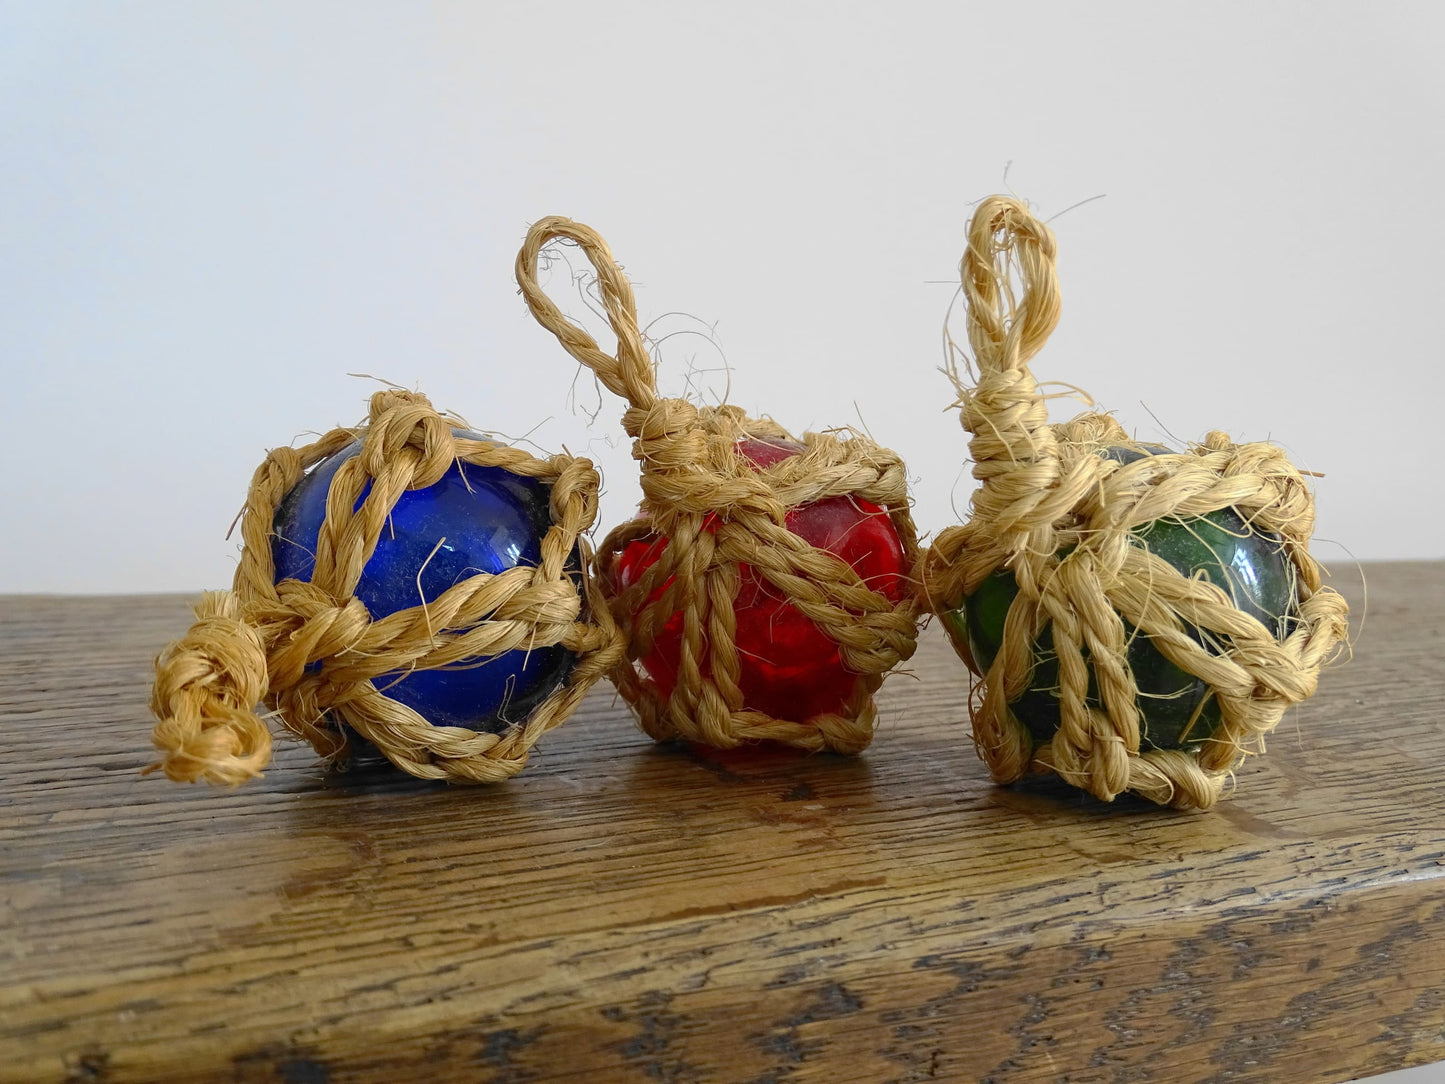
746,619
293,632
1136,618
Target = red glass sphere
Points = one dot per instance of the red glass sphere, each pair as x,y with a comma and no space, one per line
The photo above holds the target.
790,668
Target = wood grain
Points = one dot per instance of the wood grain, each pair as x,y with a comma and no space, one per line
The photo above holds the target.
625,912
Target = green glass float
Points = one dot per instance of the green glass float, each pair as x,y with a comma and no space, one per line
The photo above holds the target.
1141,618
1176,708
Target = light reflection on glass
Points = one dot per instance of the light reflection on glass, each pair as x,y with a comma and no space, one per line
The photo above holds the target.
1244,570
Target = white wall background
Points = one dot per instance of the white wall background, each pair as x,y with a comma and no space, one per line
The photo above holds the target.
211,213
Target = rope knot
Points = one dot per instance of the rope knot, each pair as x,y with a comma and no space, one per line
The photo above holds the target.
666,435
307,626
206,684
404,429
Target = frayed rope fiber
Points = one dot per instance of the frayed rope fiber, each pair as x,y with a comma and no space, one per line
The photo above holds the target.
1064,520
261,641
719,513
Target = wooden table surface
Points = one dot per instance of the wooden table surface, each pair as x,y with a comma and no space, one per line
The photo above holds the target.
625,912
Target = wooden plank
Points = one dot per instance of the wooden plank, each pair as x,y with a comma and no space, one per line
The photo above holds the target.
627,912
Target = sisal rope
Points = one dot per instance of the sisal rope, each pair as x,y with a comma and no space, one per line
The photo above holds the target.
691,474
1062,518
258,642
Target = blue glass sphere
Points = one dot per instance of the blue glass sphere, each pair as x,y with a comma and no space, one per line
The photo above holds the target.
491,520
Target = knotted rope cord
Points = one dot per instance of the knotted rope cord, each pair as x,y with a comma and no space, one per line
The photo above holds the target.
1061,517
718,513
255,642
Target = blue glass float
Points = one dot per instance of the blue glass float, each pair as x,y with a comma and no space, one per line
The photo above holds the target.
491,520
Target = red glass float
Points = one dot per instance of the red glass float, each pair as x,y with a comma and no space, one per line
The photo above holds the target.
789,667
765,589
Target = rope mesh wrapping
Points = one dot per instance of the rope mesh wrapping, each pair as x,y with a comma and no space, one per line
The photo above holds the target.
1061,517
718,513
258,642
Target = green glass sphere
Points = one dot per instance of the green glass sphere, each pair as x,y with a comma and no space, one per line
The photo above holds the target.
1176,710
